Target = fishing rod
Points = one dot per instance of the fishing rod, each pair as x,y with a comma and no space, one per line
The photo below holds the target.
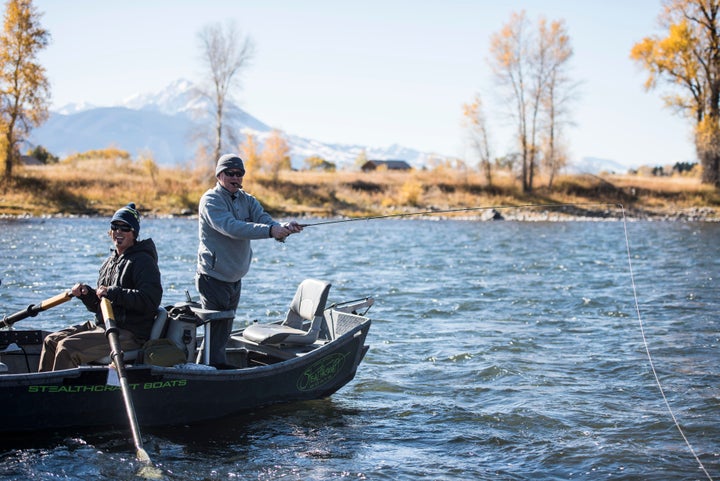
448,211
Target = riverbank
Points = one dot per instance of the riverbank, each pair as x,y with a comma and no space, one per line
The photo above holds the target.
98,187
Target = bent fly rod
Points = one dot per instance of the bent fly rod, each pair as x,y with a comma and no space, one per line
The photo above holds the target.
448,211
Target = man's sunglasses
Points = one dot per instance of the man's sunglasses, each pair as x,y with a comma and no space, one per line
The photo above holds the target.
121,228
235,173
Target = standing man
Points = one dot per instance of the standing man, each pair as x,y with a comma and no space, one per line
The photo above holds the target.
130,279
229,218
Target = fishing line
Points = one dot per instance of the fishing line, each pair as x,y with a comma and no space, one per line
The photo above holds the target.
632,281
448,211
647,348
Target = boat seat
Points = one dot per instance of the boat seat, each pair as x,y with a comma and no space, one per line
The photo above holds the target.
303,320
205,318
158,330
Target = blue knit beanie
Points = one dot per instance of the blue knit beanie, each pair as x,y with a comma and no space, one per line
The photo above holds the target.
130,216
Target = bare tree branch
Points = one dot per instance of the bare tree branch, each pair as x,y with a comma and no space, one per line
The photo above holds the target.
225,53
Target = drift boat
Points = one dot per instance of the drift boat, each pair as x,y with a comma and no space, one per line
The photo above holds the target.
310,354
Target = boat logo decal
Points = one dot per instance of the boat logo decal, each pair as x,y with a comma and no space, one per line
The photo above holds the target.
321,372
107,387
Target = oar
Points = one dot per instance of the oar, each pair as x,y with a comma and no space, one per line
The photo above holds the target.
33,310
111,332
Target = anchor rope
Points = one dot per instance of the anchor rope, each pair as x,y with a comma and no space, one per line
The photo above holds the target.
647,348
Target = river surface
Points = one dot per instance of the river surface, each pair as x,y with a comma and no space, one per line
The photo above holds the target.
499,350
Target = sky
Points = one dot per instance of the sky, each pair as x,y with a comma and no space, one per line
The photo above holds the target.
372,73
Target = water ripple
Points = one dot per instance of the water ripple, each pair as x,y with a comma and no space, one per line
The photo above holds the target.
499,350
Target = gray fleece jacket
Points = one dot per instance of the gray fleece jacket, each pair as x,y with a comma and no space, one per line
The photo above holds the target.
226,226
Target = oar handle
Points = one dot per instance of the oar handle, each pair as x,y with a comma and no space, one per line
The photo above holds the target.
32,310
108,316
56,300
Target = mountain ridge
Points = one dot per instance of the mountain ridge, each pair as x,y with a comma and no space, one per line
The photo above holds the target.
162,123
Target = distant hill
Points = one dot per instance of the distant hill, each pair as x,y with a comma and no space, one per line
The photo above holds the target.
595,165
136,131
162,124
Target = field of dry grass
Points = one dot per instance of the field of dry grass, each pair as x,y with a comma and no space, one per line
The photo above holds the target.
82,186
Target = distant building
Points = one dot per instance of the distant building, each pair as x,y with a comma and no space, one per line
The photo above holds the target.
388,164
30,160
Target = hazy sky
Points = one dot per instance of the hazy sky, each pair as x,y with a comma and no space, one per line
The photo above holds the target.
373,73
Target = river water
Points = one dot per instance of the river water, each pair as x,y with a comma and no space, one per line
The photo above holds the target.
498,350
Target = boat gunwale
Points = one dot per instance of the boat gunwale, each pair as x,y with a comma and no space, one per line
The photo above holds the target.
58,377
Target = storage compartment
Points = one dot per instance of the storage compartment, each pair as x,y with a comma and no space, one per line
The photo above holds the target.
183,334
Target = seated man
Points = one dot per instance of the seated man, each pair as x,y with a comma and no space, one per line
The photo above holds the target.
130,279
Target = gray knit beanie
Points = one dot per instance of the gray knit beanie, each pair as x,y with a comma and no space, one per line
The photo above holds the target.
229,161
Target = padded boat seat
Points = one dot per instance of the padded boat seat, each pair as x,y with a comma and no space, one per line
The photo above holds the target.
308,304
157,331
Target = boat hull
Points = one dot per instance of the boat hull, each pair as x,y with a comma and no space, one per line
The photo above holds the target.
86,397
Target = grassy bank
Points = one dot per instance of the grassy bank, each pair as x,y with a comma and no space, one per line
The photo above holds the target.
98,187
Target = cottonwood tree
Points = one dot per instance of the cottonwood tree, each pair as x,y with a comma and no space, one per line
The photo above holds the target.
523,63
510,62
479,138
275,155
687,60
315,162
225,53
250,153
360,159
558,90
24,87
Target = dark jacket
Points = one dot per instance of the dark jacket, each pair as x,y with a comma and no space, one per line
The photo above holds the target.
134,288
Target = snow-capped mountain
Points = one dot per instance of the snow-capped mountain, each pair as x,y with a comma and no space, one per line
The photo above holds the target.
162,124
595,165
180,96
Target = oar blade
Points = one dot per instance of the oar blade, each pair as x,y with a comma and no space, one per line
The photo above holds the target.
150,472
143,456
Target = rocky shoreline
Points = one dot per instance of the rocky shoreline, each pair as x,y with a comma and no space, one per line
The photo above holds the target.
526,213
566,213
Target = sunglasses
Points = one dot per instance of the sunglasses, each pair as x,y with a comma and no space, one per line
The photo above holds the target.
235,173
121,228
